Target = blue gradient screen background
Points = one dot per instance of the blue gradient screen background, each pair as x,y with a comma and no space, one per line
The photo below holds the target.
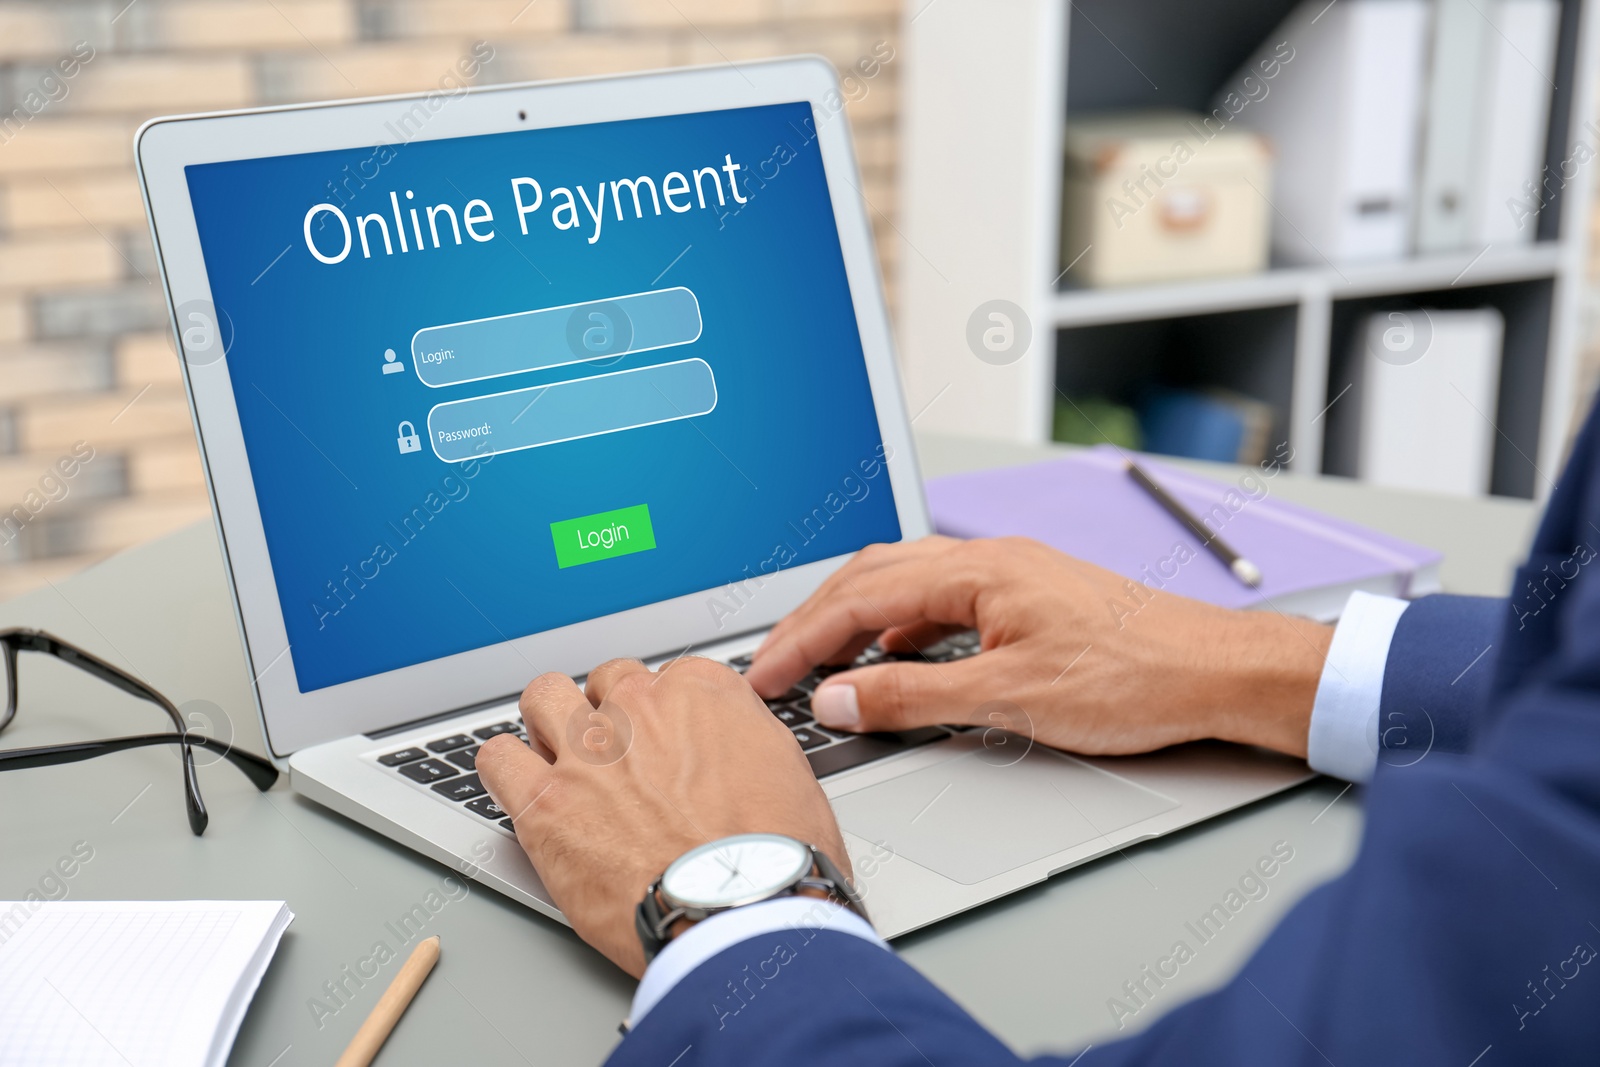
384,559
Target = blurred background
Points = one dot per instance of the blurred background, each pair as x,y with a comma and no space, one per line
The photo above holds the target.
1248,345
85,347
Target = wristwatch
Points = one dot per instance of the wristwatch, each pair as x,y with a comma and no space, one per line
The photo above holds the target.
730,873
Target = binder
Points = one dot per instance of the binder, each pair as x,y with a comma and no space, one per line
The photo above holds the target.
1214,424
1420,415
1517,81
1344,116
1450,142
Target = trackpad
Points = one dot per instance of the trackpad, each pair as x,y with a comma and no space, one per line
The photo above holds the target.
974,817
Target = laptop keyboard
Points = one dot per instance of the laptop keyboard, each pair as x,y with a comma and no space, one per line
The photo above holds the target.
446,765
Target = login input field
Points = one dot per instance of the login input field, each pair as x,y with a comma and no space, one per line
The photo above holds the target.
472,351
482,426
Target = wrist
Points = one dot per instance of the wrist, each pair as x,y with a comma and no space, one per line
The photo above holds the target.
1270,667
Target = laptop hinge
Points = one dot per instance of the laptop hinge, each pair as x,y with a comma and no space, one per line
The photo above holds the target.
390,731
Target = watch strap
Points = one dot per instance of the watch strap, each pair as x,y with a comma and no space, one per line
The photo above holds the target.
653,923
838,885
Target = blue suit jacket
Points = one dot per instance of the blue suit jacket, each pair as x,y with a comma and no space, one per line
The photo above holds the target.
1467,926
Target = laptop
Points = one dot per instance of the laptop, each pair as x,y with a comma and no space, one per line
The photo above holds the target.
523,378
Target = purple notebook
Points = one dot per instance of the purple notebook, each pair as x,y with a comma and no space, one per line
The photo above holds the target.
1088,506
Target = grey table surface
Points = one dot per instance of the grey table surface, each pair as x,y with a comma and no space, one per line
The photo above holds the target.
1038,967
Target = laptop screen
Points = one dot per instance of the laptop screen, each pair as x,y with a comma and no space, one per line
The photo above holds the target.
494,385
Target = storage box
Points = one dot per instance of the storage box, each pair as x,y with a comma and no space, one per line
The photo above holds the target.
1158,195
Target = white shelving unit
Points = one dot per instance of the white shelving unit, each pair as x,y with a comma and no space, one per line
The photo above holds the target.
988,89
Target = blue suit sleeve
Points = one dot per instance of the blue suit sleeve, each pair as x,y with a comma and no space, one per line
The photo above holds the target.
807,997
1464,923
1437,678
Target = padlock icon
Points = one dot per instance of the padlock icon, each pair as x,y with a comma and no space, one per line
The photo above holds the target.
408,439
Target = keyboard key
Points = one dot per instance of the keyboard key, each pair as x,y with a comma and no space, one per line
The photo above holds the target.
792,695
809,738
833,733
507,824
447,744
790,715
810,682
483,733
405,755
486,807
869,747
968,639
741,663
428,770
465,758
462,788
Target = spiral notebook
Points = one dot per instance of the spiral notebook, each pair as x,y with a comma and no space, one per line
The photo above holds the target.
1087,506
107,982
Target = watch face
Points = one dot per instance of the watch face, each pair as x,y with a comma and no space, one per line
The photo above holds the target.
734,870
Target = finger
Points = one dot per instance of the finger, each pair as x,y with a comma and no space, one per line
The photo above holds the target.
513,774
916,636
547,704
847,653
934,589
601,680
872,558
900,696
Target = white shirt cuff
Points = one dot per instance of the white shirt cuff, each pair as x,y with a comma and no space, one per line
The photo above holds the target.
705,939
1344,718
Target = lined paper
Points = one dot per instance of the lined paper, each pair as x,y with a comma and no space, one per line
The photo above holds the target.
130,984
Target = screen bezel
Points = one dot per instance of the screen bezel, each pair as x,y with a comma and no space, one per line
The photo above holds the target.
291,719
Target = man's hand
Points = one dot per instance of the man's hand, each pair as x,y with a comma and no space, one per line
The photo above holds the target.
636,771
1098,664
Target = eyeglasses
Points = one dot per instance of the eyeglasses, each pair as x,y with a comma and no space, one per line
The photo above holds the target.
260,772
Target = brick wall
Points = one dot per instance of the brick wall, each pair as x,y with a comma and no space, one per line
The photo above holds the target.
96,450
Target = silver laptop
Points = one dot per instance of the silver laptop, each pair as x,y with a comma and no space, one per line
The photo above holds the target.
520,379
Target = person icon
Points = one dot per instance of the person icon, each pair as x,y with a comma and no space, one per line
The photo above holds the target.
390,364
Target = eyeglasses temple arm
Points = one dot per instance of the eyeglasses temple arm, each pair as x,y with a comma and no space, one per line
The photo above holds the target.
113,675
261,773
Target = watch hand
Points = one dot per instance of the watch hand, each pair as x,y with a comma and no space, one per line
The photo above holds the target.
733,868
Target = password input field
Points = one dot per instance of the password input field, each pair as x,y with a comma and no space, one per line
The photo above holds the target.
483,426
478,349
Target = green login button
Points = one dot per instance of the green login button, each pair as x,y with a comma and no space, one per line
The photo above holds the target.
603,536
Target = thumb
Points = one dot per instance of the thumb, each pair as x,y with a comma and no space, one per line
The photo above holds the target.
514,775
897,696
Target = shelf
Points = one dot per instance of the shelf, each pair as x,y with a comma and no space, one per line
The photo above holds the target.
1281,335
1448,271
1289,285
1249,352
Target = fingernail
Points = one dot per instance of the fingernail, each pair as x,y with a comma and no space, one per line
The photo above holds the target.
836,706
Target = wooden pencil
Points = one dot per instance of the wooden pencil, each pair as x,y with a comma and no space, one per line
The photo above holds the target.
375,1031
